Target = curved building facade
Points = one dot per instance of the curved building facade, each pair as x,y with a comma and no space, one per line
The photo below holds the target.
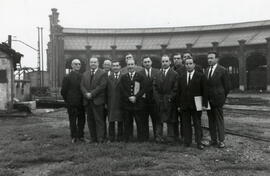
244,48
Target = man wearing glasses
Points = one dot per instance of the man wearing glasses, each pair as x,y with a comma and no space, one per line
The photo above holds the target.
74,101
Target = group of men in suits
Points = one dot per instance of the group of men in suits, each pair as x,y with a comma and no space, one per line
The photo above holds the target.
168,96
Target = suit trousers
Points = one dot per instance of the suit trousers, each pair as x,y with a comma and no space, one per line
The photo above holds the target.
112,131
96,123
216,124
128,116
187,125
76,121
150,110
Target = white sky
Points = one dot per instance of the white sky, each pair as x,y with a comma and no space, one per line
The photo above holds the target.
20,18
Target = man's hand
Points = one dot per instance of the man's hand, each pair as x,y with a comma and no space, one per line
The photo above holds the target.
132,99
204,108
88,95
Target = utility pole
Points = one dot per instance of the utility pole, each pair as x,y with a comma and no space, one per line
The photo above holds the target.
38,64
42,67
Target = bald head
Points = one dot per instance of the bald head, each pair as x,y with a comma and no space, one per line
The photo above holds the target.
107,65
93,62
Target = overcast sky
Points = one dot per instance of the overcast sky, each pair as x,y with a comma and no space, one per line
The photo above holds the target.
20,18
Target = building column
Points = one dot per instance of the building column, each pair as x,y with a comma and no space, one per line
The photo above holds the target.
163,48
268,65
242,65
215,46
113,55
88,54
189,47
139,54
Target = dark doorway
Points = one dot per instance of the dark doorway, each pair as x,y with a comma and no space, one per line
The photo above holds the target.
256,71
231,64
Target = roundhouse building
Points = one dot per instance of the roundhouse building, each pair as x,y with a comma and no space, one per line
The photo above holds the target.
244,48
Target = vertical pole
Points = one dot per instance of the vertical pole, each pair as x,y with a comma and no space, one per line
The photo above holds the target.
42,75
9,40
38,59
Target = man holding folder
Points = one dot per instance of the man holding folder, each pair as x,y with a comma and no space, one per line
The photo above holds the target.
192,89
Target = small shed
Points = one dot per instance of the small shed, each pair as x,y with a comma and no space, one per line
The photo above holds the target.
8,61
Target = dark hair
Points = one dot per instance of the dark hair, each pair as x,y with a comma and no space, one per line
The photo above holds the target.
192,58
213,52
177,54
146,56
188,52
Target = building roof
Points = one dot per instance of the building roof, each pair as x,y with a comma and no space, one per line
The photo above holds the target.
16,56
174,37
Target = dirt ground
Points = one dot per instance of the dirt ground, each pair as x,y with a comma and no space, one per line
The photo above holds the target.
40,145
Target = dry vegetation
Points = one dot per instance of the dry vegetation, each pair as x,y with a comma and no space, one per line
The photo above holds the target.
40,145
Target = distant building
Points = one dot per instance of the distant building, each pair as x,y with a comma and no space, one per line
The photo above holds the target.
244,48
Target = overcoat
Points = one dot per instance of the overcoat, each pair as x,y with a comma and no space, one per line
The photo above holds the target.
165,90
113,98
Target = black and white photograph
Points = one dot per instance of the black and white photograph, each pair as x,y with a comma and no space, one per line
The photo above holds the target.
134,88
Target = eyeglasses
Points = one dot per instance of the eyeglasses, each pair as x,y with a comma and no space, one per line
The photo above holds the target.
77,63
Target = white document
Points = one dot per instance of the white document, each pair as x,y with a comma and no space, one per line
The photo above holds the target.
136,87
198,103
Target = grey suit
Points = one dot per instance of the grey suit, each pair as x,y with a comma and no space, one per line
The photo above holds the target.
95,105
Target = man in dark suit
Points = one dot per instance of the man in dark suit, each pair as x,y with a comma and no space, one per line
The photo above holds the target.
150,108
218,85
74,101
165,88
107,64
137,68
93,87
192,84
187,55
179,67
114,108
132,92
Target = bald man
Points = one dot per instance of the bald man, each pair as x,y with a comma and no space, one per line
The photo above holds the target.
74,101
93,87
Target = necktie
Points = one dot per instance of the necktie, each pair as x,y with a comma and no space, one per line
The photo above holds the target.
148,74
92,75
189,78
210,73
131,76
116,76
164,72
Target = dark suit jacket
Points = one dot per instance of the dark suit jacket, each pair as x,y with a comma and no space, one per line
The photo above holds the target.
113,95
197,87
96,88
127,90
218,86
148,82
165,89
71,89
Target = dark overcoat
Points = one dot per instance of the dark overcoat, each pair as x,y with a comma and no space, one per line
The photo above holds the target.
165,90
71,91
113,98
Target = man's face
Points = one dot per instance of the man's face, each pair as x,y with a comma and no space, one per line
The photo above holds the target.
147,63
130,65
177,60
107,65
186,56
76,65
165,62
129,56
93,62
212,60
190,65
116,67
